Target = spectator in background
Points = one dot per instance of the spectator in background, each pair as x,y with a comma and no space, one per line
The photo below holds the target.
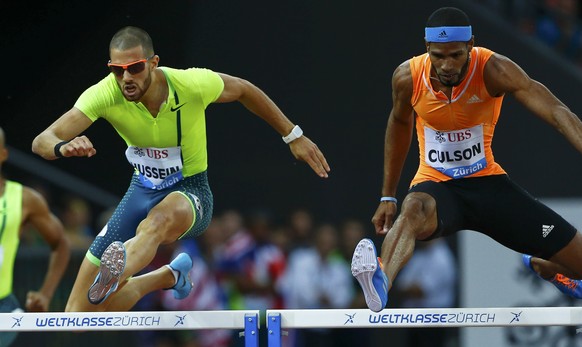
20,205
249,269
236,241
317,277
559,27
428,280
262,265
519,12
281,237
557,23
351,231
212,241
235,233
76,217
301,228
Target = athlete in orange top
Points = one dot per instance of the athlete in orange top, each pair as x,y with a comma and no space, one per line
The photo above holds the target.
455,90
454,128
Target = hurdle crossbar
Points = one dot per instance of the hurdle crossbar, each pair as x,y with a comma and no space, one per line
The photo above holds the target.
411,318
246,320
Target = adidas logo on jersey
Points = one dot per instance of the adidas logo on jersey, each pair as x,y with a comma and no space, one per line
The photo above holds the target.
546,230
474,99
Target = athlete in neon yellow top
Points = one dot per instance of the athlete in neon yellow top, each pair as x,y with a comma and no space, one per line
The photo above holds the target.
189,91
169,196
19,205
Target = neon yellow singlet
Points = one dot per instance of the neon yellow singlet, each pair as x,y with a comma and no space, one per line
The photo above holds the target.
196,88
10,220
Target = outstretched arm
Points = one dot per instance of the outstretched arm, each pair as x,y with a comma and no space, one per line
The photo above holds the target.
502,75
65,129
256,101
50,228
397,143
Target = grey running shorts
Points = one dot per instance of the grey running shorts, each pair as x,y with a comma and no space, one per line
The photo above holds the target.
139,200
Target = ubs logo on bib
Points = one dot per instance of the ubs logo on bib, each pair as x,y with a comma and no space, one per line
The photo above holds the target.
153,153
453,136
157,153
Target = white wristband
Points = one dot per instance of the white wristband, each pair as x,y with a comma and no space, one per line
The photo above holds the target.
295,133
388,199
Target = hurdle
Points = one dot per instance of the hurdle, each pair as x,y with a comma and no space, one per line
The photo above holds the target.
277,320
245,320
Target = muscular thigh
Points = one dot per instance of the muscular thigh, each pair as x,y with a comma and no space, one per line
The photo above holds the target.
449,209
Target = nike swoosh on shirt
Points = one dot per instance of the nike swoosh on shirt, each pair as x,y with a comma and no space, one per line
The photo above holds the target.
174,109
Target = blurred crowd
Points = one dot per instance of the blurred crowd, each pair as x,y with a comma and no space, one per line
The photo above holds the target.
557,23
255,260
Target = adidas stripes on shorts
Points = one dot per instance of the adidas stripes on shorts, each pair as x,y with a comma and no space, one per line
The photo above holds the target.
500,209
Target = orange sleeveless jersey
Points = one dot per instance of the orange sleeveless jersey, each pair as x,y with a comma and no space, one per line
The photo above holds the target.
454,137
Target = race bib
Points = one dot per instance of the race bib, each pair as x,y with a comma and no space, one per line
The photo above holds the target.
158,168
457,153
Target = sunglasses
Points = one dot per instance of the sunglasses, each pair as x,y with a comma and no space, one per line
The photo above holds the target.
133,67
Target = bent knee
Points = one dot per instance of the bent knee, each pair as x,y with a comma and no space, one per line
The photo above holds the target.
419,211
419,204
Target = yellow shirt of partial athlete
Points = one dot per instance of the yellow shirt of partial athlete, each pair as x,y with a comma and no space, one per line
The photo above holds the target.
470,105
10,221
195,89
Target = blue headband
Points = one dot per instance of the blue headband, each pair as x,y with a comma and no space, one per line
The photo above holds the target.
448,34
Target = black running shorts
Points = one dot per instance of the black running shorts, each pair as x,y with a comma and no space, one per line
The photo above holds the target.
500,209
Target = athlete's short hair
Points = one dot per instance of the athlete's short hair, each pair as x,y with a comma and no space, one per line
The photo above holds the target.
448,17
130,37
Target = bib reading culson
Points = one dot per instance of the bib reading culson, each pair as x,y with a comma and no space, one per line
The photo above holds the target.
158,168
456,153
